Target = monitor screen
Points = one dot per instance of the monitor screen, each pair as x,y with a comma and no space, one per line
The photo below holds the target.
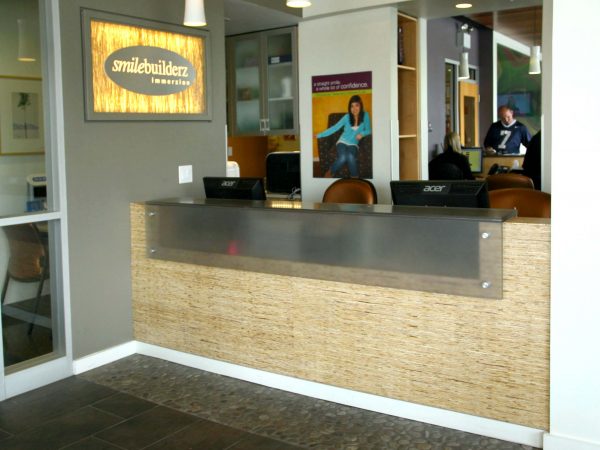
234,188
458,193
283,172
475,157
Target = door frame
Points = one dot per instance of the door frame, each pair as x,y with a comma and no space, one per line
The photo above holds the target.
51,367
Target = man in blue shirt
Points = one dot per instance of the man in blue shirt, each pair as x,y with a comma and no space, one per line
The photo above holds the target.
506,136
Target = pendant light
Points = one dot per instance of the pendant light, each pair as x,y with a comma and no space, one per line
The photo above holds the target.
298,3
535,67
25,50
194,13
463,67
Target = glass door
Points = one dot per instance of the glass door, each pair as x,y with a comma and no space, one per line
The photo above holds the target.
247,89
280,80
34,336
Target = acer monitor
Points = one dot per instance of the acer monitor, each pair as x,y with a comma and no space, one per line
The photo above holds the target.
238,188
457,193
283,172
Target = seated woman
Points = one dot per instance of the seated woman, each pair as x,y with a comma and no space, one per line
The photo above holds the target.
451,164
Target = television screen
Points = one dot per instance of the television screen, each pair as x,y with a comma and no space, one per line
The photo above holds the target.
475,157
234,188
458,193
519,102
283,172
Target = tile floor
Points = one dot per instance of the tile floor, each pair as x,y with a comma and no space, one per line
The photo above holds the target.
145,403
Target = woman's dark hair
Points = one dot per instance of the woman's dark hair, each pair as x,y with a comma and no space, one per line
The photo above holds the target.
361,113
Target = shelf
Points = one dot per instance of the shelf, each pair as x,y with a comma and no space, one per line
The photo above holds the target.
401,67
280,99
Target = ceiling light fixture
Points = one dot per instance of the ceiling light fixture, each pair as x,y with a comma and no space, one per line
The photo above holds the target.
298,3
535,68
25,51
464,5
464,42
463,67
535,53
194,13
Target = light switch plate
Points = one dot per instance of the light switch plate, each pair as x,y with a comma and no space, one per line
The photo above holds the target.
185,174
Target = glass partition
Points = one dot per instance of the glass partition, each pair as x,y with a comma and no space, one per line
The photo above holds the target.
28,310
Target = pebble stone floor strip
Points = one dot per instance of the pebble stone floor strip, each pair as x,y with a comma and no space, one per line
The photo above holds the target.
295,419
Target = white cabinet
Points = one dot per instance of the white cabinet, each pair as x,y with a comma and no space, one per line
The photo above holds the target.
262,83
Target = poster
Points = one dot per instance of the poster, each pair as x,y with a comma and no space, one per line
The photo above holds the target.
342,125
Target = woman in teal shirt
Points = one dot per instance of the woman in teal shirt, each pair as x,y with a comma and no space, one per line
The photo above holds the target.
356,125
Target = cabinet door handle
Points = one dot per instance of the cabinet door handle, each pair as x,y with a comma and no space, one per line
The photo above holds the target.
267,125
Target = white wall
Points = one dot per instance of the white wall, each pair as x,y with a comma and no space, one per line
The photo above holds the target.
351,42
575,312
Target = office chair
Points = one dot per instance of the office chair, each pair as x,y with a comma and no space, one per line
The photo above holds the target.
445,171
28,261
528,202
351,190
509,180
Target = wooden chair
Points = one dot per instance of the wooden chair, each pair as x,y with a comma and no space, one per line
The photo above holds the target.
28,260
509,180
527,202
351,190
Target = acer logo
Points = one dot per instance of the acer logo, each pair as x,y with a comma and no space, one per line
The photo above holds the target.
434,188
228,183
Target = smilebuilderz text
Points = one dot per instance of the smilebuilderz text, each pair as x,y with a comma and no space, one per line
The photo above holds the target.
144,67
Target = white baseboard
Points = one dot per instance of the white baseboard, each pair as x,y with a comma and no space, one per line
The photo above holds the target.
103,357
449,419
553,442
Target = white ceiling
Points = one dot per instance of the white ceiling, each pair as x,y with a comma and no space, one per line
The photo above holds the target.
243,16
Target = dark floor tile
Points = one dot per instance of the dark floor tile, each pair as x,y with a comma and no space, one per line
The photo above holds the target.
201,435
92,444
4,435
147,428
124,405
33,408
255,442
65,430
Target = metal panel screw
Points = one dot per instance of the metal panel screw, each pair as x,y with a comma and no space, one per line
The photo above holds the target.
152,250
151,213
486,285
485,235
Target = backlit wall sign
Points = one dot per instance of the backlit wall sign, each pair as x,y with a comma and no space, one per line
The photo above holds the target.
141,70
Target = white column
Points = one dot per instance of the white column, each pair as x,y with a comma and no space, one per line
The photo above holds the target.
575,294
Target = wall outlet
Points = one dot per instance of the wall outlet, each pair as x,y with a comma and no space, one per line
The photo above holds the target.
185,174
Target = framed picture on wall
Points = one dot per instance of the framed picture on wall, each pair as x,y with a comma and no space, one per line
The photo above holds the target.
21,116
136,69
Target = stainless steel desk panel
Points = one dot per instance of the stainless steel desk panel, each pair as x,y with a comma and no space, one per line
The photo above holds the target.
447,250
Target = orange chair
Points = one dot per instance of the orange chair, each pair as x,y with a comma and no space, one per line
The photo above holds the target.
527,202
28,260
351,190
509,180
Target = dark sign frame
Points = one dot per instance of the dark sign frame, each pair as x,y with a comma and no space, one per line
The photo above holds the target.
89,15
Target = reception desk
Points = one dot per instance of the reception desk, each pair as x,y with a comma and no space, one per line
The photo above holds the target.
485,355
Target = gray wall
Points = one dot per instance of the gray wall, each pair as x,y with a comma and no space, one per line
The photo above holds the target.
110,164
442,45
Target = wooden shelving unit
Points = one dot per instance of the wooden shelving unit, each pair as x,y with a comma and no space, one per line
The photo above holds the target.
408,100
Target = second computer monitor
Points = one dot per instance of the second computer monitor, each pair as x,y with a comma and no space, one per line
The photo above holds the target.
475,157
458,193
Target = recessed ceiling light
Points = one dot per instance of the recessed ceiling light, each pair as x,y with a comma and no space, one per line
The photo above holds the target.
298,3
464,5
